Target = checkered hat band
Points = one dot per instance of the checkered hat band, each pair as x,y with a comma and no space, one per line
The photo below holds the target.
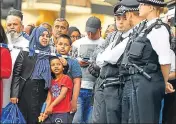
154,2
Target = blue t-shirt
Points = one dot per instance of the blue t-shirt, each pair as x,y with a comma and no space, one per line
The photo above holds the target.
74,70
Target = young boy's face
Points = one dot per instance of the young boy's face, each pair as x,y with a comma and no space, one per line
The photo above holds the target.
56,66
63,46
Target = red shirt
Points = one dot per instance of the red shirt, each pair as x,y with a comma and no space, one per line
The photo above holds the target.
65,105
5,70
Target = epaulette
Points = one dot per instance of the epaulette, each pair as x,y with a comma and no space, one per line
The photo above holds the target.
158,24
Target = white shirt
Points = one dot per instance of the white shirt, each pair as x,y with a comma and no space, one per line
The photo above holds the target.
87,79
159,39
172,54
20,42
112,55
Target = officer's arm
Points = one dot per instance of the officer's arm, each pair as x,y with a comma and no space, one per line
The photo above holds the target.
165,71
172,76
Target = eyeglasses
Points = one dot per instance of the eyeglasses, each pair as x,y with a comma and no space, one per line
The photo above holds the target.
75,37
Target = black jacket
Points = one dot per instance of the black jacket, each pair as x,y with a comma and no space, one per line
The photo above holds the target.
22,71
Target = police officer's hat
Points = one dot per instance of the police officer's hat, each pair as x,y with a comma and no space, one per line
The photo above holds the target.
159,3
126,6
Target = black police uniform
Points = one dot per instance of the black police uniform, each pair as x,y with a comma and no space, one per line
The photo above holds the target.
109,89
144,83
99,110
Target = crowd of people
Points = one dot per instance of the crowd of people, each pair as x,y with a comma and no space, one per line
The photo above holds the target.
121,78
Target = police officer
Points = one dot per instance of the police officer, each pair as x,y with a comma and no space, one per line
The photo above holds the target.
108,90
145,67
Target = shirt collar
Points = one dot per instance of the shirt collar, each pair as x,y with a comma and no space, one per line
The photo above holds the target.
126,34
149,22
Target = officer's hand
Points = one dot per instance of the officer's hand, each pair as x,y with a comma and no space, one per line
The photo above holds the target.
14,100
169,88
94,70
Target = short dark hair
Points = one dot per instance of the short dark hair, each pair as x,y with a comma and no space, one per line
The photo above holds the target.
62,20
65,37
72,29
16,12
31,28
46,23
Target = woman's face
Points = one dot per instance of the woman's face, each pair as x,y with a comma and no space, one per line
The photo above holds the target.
44,38
144,10
75,36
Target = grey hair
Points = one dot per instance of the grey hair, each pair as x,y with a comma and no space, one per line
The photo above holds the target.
16,12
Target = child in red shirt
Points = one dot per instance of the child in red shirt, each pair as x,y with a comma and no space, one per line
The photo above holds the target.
59,95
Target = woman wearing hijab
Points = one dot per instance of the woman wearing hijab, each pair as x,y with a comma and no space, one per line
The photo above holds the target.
74,33
32,76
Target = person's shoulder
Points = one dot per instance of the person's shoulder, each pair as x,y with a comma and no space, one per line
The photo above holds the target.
4,51
101,39
66,80
24,42
79,41
161,31
66,77
72,61
112,33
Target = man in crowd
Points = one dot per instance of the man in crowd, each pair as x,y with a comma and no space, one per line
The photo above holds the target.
15,37
93,38
60,27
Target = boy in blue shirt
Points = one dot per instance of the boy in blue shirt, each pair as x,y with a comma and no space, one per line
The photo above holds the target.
63,47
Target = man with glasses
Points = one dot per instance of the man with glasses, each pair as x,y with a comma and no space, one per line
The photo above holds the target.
60,26
74,33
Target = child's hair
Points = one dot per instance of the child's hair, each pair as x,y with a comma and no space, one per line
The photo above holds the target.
65,37
65,67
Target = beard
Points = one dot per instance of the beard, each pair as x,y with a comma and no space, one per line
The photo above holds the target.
13,35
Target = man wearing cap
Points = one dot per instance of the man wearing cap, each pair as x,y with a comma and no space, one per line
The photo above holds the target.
15,37
93,38
109,60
